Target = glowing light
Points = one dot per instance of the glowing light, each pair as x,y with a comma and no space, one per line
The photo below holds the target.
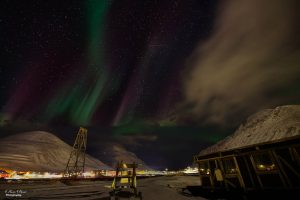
34,175
90,174
266,167
191,170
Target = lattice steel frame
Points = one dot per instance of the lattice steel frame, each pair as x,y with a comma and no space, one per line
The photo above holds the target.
76,162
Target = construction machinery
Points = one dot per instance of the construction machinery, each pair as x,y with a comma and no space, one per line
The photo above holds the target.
76,162
124,183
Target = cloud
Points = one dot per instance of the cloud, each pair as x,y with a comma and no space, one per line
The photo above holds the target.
12,126
250,62
136,140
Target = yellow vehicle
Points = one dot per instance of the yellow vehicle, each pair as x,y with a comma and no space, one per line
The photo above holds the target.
124,183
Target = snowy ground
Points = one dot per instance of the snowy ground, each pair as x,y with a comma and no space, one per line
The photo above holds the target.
157,188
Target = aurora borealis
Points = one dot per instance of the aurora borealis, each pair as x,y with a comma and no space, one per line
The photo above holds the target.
104,70
148,73
82,100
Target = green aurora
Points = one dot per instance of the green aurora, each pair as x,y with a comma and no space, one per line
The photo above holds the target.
80,99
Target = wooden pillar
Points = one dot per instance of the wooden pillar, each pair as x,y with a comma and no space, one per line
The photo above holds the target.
241,180
255,170
281,171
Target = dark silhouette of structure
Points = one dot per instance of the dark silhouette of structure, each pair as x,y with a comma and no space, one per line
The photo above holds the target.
125,178
260,167
76,162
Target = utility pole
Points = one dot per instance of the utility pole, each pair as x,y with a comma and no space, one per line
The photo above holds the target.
76,162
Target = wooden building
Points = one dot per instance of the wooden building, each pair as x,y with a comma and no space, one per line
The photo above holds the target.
272,165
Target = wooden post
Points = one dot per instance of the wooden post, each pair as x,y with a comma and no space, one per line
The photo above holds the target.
241,180
255,170
280,169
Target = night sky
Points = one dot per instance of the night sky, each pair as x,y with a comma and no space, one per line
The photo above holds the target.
162,78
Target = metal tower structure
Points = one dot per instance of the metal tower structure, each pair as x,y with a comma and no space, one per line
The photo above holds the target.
76,162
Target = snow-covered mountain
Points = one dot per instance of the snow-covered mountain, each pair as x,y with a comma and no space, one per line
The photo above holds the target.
39,151
112,153
264,126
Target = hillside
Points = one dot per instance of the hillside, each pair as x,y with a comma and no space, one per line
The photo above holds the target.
39,151
111,153
264,126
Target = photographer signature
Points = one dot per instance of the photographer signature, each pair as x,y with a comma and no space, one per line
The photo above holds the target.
15,193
